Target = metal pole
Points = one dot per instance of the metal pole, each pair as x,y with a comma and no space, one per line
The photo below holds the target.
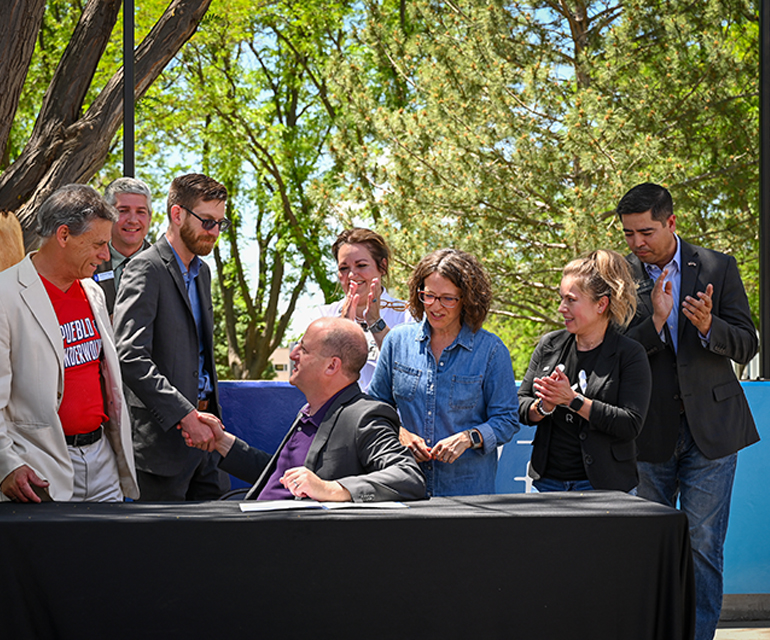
764,187
128,88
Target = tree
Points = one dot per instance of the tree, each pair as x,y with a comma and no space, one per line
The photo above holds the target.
511,129
248,97
67,145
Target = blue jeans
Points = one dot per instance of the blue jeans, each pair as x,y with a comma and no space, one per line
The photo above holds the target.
543,485
704,488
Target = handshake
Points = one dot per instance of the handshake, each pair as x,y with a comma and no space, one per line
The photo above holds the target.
205,431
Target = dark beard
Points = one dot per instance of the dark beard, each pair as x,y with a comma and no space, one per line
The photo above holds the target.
200,245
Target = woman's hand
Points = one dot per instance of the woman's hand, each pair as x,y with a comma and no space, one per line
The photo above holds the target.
415,444
451,448
354,296
372,310
554,390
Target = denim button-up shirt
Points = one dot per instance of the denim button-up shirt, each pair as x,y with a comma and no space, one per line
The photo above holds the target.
471,386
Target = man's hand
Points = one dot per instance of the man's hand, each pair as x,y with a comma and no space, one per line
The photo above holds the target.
197,432
303,483
662,301
415,444
223,441
699,311
17,485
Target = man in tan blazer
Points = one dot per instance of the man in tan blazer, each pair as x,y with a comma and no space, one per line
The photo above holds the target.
64,427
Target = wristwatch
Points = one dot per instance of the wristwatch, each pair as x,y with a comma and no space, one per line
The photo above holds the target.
378,326
576,403
475,436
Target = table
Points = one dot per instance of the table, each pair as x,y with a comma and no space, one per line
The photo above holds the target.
548,566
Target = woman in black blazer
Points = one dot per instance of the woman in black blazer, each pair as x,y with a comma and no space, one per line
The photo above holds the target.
587,386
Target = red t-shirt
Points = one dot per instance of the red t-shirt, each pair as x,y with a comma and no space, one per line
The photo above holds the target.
82,407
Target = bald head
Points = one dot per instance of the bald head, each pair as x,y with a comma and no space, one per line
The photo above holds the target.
343,339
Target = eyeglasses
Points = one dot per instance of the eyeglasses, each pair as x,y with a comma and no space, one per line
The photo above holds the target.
448,302
207,223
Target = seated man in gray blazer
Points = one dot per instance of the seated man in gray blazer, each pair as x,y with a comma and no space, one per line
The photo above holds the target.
343,445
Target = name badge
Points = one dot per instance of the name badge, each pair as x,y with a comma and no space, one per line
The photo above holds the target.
106,275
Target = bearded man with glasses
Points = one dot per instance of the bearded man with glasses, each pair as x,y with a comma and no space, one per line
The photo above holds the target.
164,322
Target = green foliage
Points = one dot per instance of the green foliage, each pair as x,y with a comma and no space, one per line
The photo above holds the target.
505,128
511,131
246,101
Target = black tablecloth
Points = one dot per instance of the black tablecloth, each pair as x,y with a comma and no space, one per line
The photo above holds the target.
550,566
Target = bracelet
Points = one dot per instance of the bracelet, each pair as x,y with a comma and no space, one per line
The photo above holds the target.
539,408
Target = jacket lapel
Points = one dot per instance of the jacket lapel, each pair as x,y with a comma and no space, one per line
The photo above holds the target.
644,284
36,298
327,425
689,270
167,253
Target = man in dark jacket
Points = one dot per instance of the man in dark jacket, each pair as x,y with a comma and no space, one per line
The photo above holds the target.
693,318
343,445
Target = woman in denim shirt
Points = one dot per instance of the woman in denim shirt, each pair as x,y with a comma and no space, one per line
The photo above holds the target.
451,381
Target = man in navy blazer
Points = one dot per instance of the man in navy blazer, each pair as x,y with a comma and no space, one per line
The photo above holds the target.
693,318
343,445
164,322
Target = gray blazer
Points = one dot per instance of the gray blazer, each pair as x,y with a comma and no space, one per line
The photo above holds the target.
356,445
699,379
157,344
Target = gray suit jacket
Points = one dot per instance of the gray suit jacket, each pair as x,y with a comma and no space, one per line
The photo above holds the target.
356,445
158,347
698,378
108,283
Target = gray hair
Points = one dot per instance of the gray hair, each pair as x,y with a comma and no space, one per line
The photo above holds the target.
74,205
127,185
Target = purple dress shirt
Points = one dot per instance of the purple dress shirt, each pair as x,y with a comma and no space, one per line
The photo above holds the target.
295,451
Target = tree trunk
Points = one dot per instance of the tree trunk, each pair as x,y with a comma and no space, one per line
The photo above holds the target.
63,149
20,22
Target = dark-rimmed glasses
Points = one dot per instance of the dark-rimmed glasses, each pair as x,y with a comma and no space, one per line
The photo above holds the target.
448,302
208,223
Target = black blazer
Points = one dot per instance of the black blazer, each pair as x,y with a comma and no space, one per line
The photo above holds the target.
620,390
700,379
356,444
157,343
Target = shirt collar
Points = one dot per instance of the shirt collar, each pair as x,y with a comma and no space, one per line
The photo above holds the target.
118,258
654,270
464,338
318,417
195,264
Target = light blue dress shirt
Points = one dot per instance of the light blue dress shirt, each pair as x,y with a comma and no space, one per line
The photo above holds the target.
190,276
674,277
471,386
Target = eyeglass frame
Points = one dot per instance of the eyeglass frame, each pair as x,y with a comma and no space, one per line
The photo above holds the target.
439,299
209,223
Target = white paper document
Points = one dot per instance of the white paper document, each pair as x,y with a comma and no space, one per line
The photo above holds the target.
288,505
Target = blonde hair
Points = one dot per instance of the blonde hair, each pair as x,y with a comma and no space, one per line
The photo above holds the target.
606,273
11,240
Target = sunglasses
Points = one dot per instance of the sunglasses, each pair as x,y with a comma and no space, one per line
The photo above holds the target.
207,223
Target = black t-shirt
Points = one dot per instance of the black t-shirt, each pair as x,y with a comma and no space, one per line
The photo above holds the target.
565,458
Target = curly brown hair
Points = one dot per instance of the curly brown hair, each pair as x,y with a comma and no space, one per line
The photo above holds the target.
466,273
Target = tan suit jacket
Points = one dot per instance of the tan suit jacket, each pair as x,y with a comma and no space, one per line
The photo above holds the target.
32,384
